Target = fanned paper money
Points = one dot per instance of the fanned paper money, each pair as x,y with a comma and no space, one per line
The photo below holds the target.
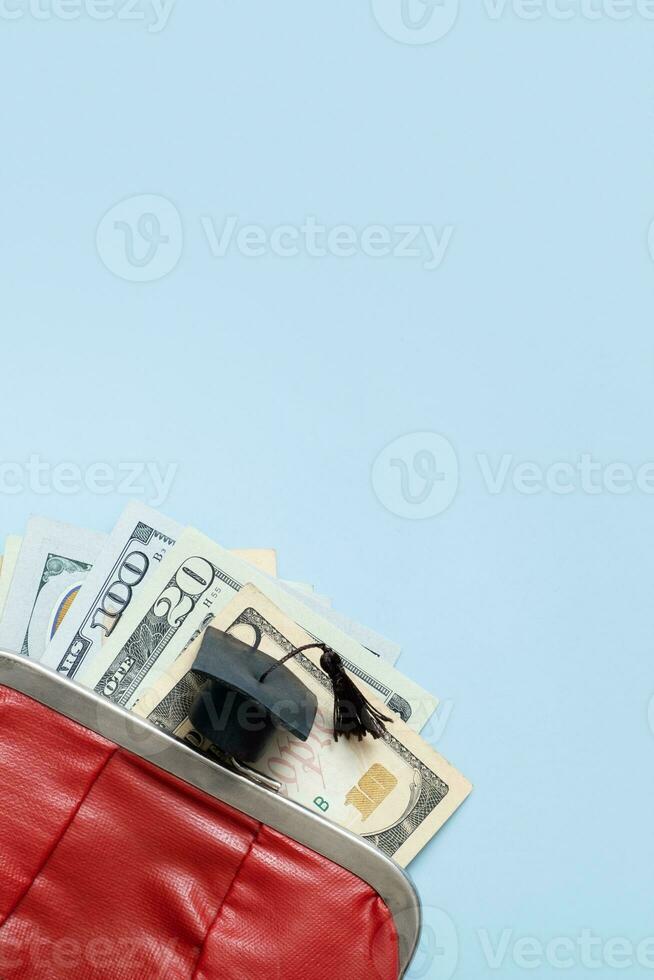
53,562
131,555
395,791
193,583
125,614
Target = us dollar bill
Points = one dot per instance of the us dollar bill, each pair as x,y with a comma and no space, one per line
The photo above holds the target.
194,582
135,547
52,564
395,791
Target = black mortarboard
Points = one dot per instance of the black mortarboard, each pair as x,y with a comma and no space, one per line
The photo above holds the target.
245,699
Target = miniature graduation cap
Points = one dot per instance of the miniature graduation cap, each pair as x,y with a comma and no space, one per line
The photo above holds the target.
249,694
245,699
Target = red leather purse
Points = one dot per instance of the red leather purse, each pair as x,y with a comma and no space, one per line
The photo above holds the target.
125,854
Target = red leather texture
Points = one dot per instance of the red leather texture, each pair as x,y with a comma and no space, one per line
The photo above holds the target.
114,870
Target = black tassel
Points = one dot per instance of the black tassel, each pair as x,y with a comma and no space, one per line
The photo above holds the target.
353,713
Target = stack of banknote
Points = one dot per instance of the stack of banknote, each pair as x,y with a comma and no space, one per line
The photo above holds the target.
123,614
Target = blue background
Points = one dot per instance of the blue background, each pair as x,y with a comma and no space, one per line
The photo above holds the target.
274,383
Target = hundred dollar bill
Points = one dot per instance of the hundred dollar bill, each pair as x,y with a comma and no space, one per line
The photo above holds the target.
194,582
134,549
395,791
12,549
53,562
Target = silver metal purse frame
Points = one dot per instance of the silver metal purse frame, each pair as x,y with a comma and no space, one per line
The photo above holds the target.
143,739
